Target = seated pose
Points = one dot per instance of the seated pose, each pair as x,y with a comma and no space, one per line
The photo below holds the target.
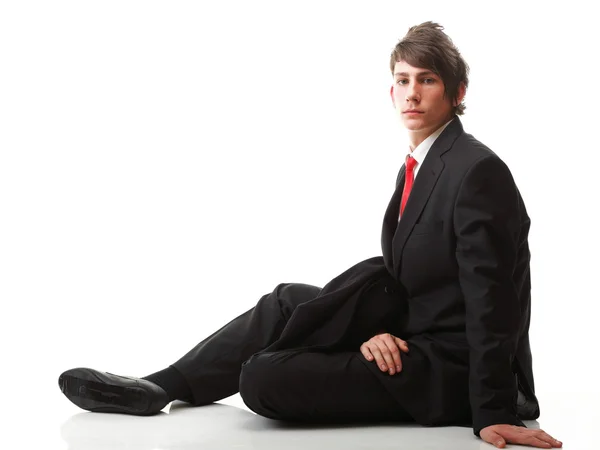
435,331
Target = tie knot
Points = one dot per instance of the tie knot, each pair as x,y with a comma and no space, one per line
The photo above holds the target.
410,162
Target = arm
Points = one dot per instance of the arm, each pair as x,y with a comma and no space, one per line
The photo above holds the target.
487,225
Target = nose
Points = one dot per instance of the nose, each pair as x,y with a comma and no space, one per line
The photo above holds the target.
411,92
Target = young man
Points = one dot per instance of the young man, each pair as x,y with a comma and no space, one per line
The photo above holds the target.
441,319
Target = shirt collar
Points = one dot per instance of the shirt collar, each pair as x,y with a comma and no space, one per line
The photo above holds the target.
422,149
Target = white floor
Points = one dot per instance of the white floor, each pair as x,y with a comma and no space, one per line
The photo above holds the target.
50,421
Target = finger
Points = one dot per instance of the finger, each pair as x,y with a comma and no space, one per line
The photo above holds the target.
532,441
388,354
542,436
403,345
547,438
525,436
378,357
390,342
364,349
491,437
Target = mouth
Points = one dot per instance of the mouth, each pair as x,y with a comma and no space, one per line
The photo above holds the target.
413,111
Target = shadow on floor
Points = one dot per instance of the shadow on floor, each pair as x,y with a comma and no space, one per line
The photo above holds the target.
219,426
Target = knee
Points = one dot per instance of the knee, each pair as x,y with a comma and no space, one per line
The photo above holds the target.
289,295
258,383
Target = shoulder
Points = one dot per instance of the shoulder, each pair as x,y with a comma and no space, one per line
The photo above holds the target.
469,155
467,150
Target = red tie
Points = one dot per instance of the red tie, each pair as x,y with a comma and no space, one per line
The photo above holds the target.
408,181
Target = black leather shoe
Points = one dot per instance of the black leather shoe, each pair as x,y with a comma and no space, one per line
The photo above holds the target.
105,392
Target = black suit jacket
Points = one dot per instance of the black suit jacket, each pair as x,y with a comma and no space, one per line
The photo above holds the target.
458,262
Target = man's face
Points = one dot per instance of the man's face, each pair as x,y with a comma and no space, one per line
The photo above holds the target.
419,89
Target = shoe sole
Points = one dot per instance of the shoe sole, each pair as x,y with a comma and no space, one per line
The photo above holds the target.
98,392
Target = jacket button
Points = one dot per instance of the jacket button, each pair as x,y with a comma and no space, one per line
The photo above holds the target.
386,289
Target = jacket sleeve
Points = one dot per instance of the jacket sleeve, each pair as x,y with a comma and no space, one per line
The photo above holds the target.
487,226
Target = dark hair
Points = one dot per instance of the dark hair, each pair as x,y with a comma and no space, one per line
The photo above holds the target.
427,46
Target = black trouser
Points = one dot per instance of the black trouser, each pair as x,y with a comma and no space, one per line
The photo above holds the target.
297,385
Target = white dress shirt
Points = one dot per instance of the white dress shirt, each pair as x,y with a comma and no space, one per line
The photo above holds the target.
422,149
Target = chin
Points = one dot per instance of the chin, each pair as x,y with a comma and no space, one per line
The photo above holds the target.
413,125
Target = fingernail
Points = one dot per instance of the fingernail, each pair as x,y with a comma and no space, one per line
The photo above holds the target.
398,368
383,367
391,371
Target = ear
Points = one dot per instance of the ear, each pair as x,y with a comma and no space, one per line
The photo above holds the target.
392,95
460,95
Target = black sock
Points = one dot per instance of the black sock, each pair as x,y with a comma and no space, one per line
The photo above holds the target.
173,383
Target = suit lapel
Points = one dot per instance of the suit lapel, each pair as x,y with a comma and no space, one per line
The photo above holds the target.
390,221
394,234
420,193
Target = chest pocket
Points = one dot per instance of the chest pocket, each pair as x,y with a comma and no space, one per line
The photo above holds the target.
424,233
427,228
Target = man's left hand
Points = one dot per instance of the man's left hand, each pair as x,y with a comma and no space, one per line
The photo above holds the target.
500,435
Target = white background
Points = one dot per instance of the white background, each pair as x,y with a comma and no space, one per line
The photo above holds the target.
165,164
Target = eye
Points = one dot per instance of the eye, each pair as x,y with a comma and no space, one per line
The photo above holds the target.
431,80
400,81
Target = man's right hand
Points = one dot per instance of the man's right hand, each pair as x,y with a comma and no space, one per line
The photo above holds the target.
385,350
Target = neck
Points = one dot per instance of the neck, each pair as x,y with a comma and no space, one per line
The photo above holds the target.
415,138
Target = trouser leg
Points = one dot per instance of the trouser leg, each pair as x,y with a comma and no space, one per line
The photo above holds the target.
212,368
316,387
